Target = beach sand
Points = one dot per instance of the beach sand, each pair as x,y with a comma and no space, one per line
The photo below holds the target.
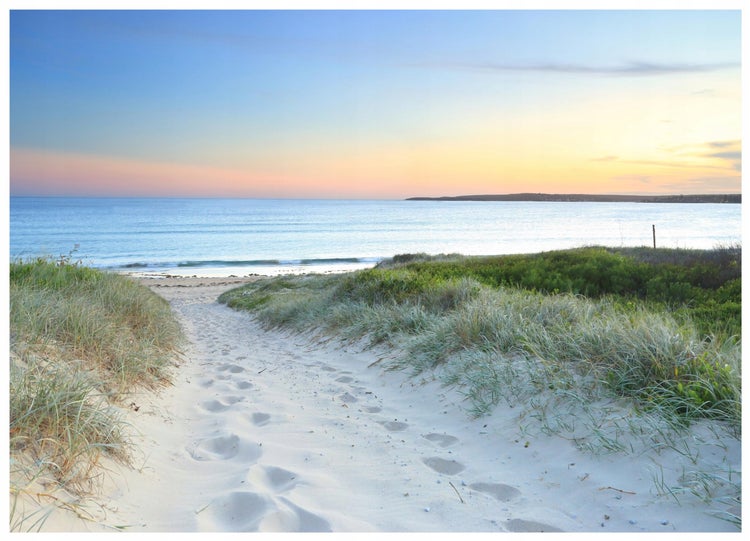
270,431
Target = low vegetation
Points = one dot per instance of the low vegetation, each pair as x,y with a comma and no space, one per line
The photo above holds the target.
595,345
81,340
661,327
702,286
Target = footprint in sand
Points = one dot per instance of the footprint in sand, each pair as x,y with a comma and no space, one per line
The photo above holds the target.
246,511
348,398
498,491
261,419
216,406
238,511
243,385
305,521
443,440
372,409
233,368
279,479
441,465
520,525
345,379
272,478
225,448
395,426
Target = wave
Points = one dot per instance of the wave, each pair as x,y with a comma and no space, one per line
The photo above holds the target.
223,263
228,263
275,262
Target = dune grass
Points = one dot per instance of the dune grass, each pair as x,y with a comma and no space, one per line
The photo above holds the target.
594,345
630,336
81,340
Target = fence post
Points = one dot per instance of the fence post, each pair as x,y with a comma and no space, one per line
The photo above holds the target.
653,229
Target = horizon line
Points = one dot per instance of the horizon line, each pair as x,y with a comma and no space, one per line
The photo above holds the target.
400,198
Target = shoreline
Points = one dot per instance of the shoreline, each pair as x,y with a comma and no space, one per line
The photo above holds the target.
242,273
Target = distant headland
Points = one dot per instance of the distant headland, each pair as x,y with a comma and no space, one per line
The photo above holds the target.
696,198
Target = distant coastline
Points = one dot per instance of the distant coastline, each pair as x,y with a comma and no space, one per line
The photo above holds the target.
697,198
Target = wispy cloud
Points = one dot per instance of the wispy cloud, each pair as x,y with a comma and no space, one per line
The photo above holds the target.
634,69
729,155
723,144
727,151
721,155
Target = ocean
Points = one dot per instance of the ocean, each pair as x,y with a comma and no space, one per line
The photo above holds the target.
224,237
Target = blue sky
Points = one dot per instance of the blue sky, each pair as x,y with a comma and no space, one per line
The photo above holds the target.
374,103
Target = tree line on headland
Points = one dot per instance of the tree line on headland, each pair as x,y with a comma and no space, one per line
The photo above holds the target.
606,198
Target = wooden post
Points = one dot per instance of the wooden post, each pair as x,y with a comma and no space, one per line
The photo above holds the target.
653,229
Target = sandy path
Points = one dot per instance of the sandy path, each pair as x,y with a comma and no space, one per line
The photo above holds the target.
265,431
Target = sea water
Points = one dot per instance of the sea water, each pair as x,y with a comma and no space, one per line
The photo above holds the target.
223,237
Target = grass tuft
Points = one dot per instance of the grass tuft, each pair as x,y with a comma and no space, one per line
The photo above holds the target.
81,340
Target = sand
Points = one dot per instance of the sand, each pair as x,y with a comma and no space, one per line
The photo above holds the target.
268,431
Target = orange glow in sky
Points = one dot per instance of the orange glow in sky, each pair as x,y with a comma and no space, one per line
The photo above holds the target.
374,104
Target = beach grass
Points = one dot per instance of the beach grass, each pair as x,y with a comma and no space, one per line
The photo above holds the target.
81,340
628,351
660,328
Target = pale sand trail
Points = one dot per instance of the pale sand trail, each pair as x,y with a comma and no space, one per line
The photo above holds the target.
268,431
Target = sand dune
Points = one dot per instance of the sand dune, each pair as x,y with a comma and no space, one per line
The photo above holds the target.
267,431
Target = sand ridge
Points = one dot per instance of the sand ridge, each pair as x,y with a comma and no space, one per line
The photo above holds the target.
270,431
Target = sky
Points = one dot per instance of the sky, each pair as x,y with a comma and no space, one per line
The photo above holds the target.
374,103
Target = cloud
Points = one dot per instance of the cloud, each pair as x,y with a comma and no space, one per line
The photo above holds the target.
728,151
710,155
626,69
723,144
730,155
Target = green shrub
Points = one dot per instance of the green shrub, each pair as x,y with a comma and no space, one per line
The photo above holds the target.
696,282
